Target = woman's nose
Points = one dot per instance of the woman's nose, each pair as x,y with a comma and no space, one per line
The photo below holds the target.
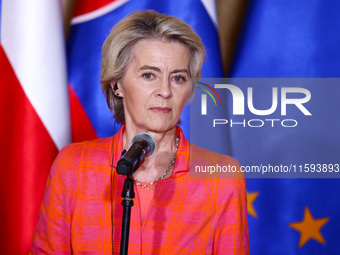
164,89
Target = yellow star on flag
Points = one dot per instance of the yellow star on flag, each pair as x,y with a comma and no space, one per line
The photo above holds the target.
309,228
250,199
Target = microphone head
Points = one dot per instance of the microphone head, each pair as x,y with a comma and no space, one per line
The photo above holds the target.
147,138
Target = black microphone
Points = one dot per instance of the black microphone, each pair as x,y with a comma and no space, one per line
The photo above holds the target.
142,145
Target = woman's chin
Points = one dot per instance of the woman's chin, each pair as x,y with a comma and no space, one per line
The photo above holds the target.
162,128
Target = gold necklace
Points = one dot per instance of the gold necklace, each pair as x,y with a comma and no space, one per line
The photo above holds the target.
151,185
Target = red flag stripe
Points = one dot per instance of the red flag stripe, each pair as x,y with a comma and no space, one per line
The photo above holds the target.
82,128
83,7
91,9
27,152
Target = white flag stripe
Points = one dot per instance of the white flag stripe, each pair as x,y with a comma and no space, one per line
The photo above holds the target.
33,39
97,13
210,6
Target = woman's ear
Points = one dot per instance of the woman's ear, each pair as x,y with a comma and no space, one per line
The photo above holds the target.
116,90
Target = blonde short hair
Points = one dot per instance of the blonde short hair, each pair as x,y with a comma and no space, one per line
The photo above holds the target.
117,49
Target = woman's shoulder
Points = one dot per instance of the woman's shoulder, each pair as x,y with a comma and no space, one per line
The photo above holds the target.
87,149
95,143
71,157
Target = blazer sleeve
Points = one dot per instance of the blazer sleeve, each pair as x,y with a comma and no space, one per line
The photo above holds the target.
53,230
231,235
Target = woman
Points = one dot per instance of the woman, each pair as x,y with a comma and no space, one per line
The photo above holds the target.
147,66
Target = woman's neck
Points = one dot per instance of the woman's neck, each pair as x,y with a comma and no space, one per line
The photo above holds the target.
158,163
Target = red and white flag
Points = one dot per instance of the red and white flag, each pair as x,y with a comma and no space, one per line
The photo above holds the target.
34,112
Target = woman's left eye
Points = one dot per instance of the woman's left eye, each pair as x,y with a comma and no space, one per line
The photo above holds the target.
179,79
148,75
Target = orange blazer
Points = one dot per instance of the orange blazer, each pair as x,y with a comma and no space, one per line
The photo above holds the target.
205,214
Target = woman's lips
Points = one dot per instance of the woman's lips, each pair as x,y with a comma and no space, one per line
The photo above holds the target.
161,110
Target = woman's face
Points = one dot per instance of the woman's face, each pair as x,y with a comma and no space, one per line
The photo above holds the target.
156,85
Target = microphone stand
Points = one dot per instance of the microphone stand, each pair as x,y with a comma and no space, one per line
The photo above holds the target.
128,194
142,144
